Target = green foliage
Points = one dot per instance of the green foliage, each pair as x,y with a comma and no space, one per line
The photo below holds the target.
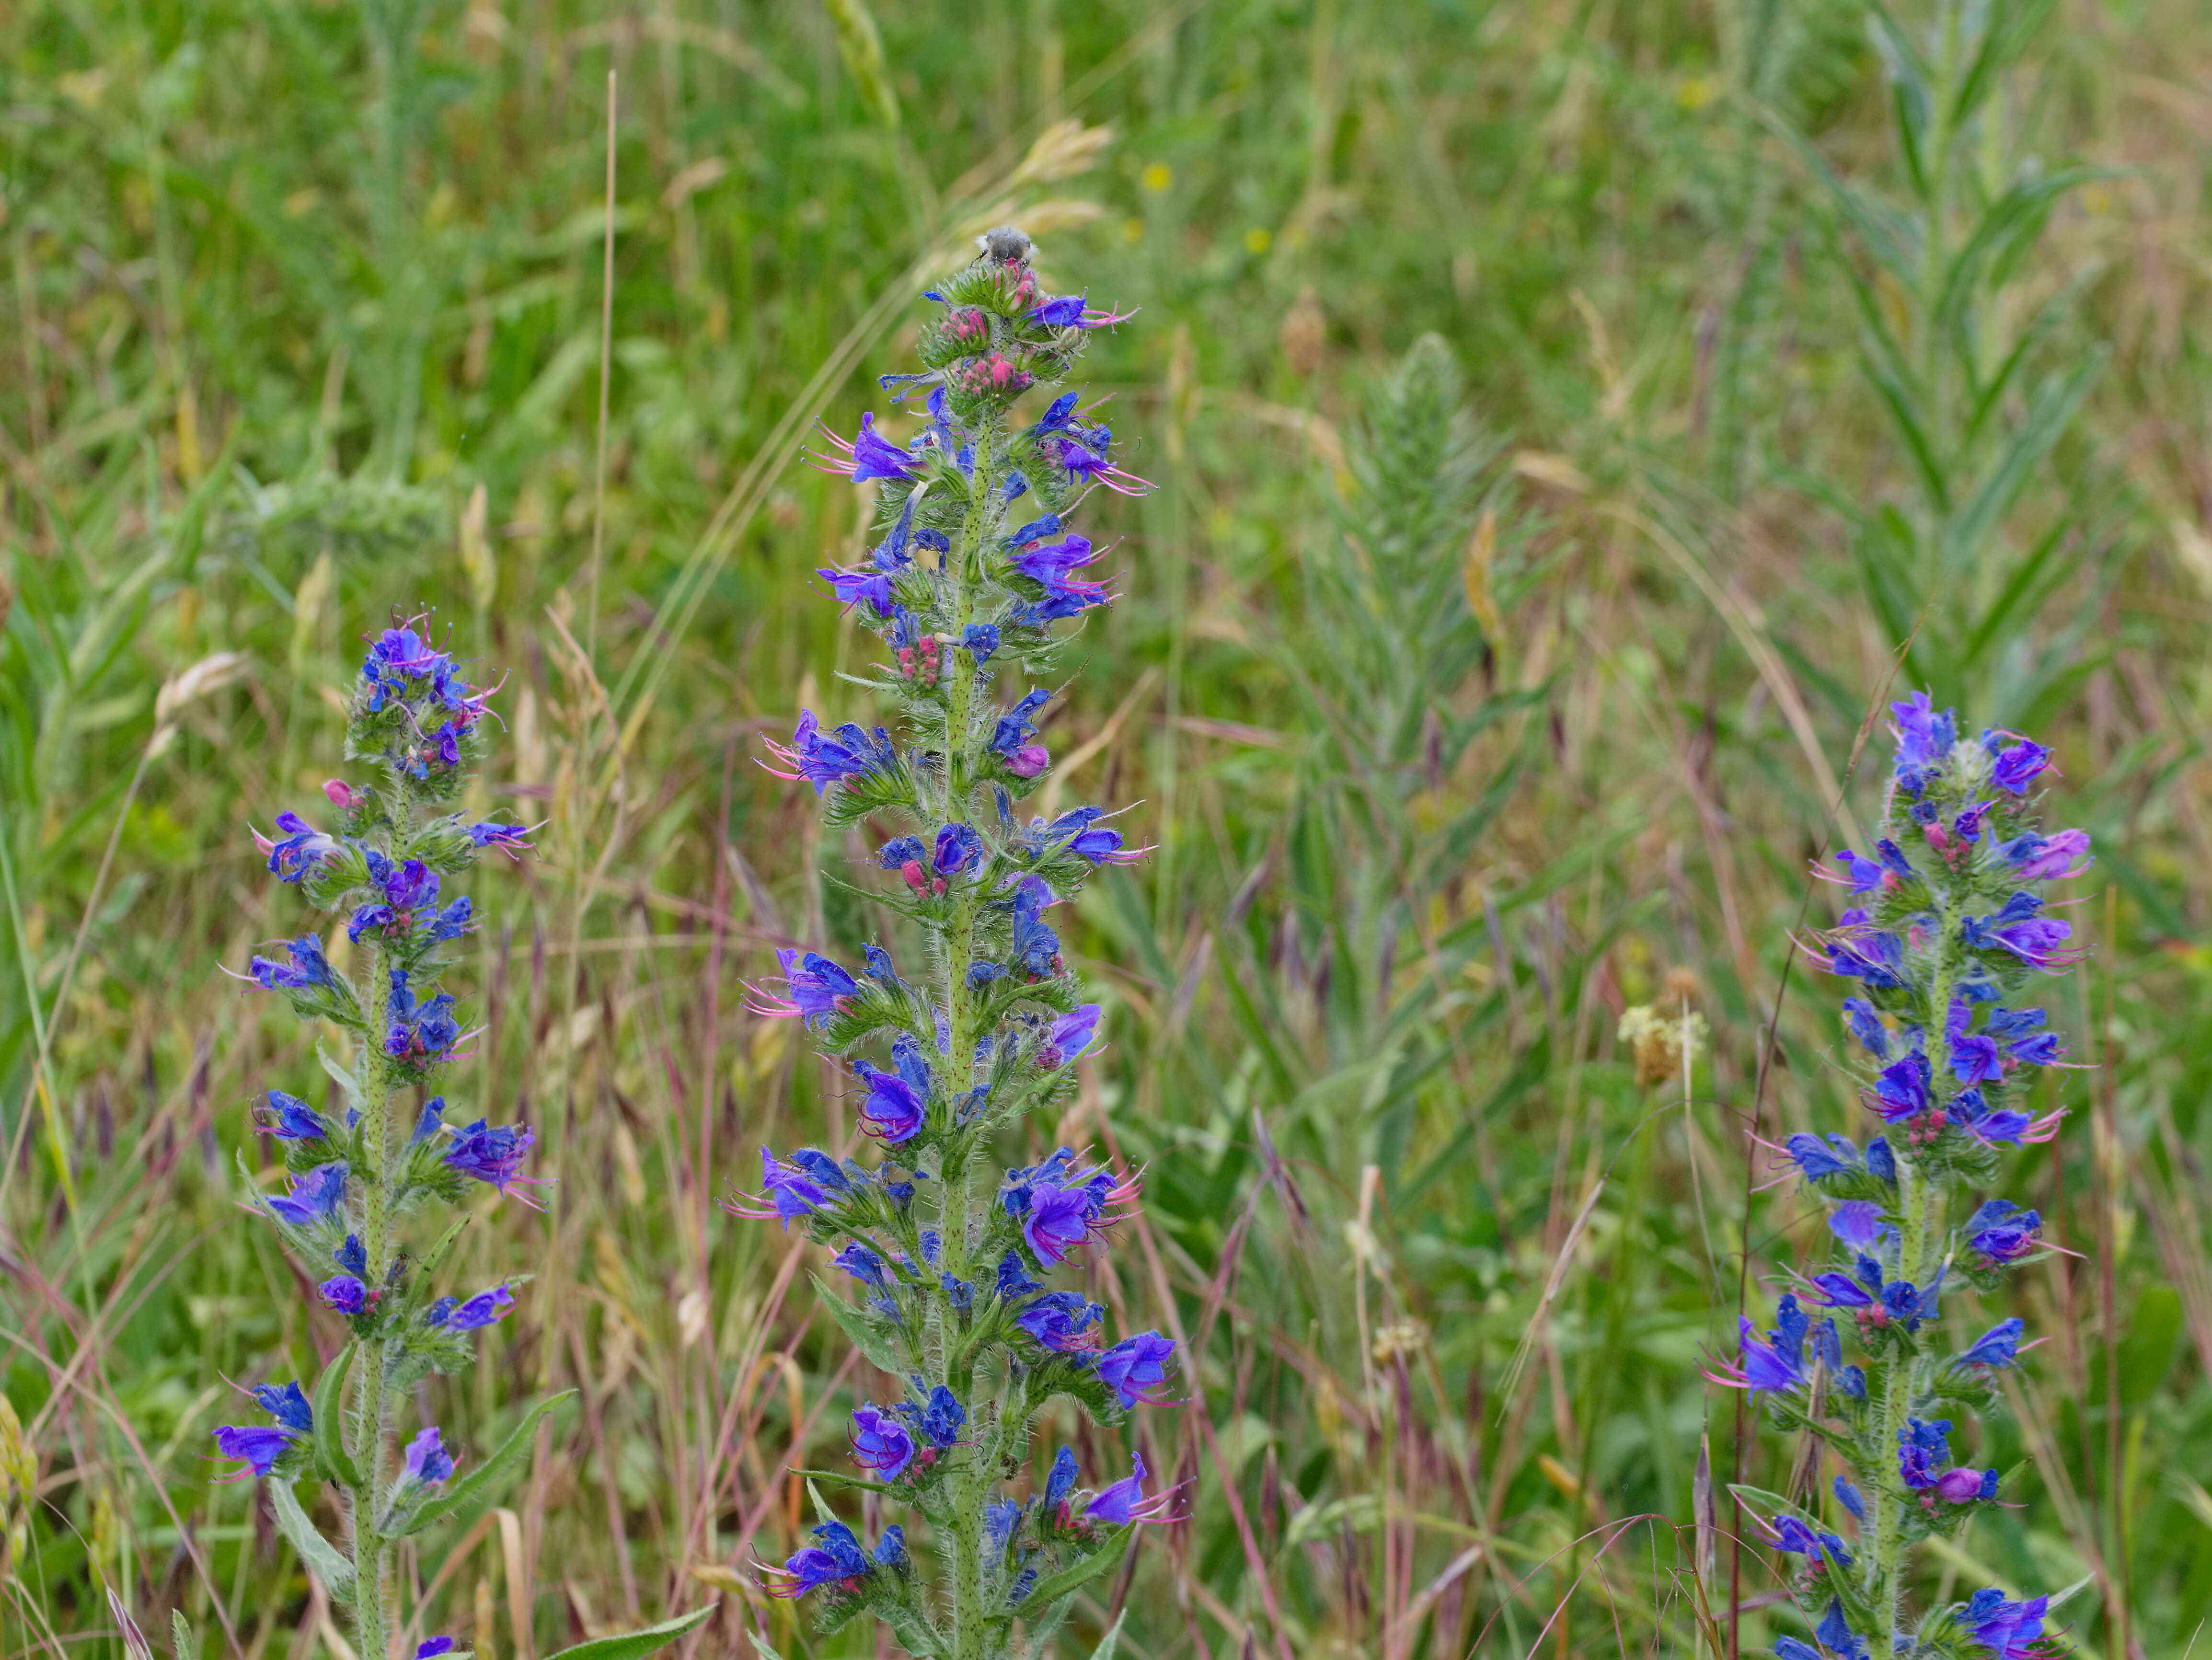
255,374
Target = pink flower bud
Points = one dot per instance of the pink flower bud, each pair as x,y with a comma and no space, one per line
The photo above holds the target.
341,794
1029,761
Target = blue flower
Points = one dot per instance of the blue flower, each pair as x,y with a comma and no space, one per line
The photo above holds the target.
1136,1369
308,968
352,1256
894,1108
1997,1346
295,1119
940,1418
2019,766
1924,736
822,762
2002,1232
258,1445
1866,1026
428,1462
346,1293
979,640
1849,1498
288,1405
315,1197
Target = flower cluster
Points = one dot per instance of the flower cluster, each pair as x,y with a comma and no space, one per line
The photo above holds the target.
949,1261
356,1170
1946,933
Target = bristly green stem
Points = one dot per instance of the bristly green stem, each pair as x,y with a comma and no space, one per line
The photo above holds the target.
1921,1216
369,1437
969,1637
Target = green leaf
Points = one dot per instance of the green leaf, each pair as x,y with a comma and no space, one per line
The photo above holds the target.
180,1635
1102,1560
436,1254
856,1325
632,1644
477,1484
1761,1499
318,1553
813,1476
760,1648
1111,1640
333,1460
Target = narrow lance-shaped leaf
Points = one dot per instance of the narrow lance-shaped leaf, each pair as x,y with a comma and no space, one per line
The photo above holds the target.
478,1483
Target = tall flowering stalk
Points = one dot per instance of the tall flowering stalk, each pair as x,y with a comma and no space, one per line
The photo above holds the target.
1946,933
364,1170
949,1256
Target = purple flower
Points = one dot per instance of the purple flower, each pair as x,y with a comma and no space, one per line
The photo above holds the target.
1793,1536
308,967
1849,1498
1049,562
418,1032
1816,1156
2019,766
1061,1321
863,1265
1060,1481
1866,1026
1068,1038
816,988
2035,940
1857,1223
1764,1367
490,1154
1924,736
1125,1502
300,851
1864,874
2049,859
315,1197
478,1311
288,1405
259,1445
938,1420
1900,1089
869,456
881,1443
822,762
1058,1220
1015,728
811,1181
351,1254
507,838
1920,1448
958,847
2008,1630
428,1463
1879,960
1997,1346
295,1119
1136,1368
431,1647
2002,1232
345,1293
979,640
894,1108
1036,947
864,587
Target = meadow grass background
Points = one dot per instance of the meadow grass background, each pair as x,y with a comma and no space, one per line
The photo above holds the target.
1556,456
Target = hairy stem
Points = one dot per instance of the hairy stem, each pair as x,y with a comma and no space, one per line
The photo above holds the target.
369,1437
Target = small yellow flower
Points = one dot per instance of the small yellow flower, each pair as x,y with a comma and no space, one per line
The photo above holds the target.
1157,177
1259,240
1133,229
1694,94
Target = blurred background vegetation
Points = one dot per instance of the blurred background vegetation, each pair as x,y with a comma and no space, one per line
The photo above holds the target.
1570,416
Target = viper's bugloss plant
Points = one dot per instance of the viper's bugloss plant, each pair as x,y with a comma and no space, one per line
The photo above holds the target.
368,1170
950,1257
1947,934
